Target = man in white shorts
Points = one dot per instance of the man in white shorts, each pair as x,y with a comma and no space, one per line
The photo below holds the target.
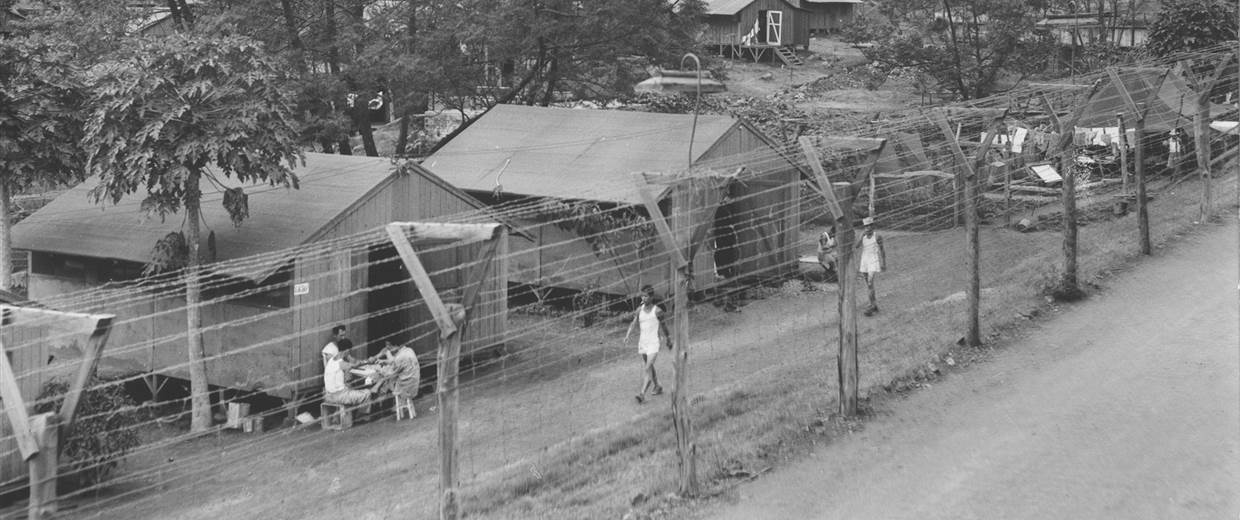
651,333
873,260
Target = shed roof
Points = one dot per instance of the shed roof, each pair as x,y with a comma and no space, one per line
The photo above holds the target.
279,217
572,153
731,7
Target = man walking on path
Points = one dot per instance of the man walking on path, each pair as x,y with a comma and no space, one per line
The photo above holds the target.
873,260
650,336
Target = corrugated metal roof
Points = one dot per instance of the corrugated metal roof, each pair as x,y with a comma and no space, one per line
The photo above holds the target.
726,7
279,217
571,153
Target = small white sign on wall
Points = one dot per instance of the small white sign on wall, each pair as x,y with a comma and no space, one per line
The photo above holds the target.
300,289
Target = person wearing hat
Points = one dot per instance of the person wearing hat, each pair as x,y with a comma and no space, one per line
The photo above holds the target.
873,260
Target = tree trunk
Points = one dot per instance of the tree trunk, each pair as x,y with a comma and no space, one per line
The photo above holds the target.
186,15
409,122
174,12
402,138
553,76
200,397
294,37
361,121
329,34
6,237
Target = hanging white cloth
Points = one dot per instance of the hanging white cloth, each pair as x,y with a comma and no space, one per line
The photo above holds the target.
1018,140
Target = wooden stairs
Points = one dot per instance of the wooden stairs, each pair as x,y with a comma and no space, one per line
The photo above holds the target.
788,56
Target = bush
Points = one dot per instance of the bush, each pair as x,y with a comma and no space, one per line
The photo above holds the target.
102,434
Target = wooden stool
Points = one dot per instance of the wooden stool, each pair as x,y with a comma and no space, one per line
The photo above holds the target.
404,403
336,416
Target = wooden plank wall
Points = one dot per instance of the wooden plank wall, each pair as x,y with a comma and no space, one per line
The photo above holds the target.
828,18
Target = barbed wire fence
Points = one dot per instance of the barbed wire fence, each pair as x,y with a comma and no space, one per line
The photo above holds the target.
984,161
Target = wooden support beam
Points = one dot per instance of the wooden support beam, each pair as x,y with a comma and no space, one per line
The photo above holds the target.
1217,74
660,224
421,279
1123,152
43,475
846,266
448,394
1143,215
875,154
821,181
1050,109
90,360
1113,73
984,113
52,314
443,231
15,408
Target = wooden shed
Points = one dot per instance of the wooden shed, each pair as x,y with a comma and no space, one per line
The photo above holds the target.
828,16
572,159
755,28
301,263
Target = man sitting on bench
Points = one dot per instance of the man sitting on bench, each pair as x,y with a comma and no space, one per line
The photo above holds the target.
334,388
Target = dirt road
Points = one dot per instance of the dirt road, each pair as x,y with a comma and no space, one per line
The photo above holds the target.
1127,406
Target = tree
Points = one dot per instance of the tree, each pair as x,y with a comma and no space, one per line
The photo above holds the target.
968,47
174,110
1186,25
39,126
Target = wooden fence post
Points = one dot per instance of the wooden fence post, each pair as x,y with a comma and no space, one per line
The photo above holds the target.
1201,126
1123,153
1066,162
1143,215
846,267
45,427
682,226
451,321
1139,109
967,176
448,392
957,211
1007,195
